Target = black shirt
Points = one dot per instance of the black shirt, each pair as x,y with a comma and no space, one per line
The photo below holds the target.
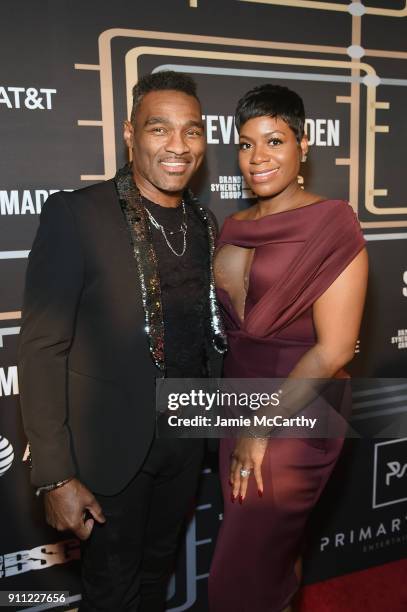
184,283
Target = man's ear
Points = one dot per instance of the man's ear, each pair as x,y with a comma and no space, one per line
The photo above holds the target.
128,134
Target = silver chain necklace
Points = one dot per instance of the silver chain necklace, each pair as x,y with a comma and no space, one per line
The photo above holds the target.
183,228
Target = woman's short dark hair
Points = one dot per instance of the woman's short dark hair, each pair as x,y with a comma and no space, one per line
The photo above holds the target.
159,81
272,101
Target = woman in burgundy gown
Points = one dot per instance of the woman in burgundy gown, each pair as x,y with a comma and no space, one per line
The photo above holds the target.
291,274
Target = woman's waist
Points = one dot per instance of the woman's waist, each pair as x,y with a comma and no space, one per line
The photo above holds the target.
250,356
240,336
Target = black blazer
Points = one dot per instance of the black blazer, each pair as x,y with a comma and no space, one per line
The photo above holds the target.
85,370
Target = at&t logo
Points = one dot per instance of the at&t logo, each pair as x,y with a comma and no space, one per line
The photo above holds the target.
6,455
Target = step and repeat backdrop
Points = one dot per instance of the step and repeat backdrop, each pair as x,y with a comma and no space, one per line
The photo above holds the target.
67,70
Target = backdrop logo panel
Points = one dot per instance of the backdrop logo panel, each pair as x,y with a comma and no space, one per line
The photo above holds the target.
351,74
390,473
347,82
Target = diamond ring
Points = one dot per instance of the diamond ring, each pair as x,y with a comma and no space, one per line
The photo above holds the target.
244,473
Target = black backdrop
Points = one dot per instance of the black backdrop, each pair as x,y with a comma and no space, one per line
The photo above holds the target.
66,71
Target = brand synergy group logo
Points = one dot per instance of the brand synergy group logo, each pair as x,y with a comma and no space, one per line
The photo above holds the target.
232,188
400,340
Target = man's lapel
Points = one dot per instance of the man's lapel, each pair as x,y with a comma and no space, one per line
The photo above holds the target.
146,259
219,341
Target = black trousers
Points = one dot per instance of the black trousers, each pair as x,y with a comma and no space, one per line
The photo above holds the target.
127,561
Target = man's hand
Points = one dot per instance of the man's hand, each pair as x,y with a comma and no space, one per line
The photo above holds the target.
66,506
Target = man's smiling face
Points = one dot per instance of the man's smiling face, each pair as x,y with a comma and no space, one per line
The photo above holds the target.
168,142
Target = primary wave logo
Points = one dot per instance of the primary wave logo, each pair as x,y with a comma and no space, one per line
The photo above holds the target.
6,455
396,469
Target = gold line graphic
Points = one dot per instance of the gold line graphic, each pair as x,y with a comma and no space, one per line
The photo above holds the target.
133,55
389,54
87,66
333,6
106,81
387,12
325,6
355,119
96,122
107,103
7,316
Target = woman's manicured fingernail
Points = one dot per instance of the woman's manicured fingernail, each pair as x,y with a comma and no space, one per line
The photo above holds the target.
260,493
232,498
240,500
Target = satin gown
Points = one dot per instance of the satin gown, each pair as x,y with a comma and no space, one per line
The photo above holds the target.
298,254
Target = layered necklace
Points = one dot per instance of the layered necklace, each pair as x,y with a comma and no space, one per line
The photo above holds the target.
183,229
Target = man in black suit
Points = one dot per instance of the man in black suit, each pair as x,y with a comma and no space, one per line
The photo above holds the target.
119,290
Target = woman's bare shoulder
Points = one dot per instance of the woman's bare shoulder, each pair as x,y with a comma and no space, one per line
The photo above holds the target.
246,214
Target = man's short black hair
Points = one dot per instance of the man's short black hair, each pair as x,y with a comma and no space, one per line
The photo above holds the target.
272,101
159,81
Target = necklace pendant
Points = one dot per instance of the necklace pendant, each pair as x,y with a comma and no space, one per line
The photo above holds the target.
182,229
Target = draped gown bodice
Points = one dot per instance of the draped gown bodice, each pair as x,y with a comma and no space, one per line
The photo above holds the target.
298,254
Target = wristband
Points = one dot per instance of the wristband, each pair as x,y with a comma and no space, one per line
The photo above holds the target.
51,487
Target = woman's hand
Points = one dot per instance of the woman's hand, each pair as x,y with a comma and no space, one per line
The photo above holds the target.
248,455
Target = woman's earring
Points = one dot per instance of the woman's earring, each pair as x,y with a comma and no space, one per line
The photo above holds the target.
304,158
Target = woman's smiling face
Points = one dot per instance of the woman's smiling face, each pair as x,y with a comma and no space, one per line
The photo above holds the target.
269,155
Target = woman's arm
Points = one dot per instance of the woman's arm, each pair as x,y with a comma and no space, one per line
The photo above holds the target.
337,316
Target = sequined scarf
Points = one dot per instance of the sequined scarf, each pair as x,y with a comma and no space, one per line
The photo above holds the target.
147,265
